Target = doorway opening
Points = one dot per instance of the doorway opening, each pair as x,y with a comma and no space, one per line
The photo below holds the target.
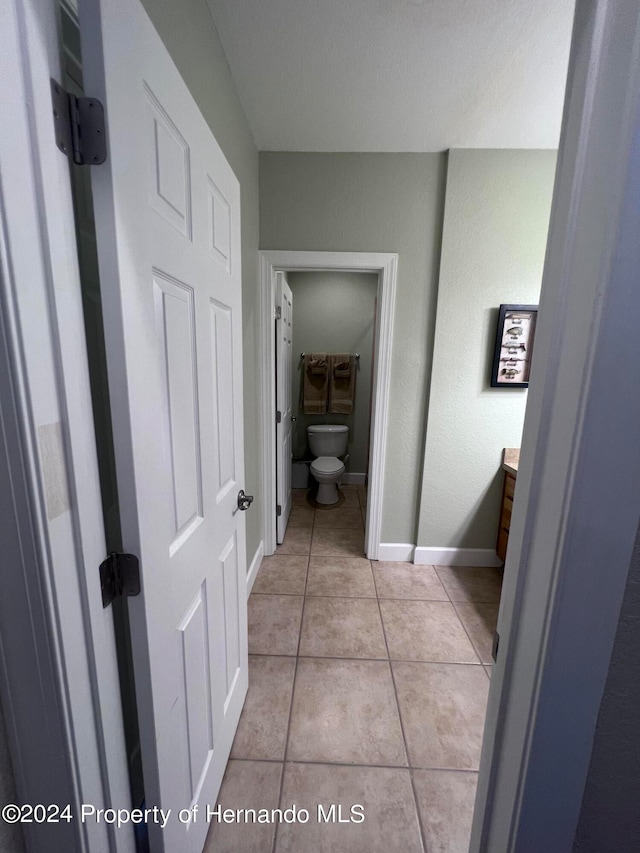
382,265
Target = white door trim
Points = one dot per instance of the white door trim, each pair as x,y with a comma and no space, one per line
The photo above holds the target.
385,265
577,507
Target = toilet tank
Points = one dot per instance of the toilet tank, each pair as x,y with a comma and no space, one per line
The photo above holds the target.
328,439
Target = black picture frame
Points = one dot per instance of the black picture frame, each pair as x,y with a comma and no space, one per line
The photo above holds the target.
512,353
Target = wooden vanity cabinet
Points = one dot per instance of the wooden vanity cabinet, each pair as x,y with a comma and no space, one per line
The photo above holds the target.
505,514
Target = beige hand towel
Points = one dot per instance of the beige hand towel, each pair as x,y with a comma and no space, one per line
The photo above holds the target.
343,383
315,383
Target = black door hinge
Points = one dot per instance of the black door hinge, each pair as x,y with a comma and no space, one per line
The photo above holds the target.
79,127
119,575
496,643
278,417
278,312
278,509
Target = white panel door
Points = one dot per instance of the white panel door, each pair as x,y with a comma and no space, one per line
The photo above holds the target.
284,427
168,226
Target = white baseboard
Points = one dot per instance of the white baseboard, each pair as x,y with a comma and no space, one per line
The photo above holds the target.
396,552
254,567
354,479
456,557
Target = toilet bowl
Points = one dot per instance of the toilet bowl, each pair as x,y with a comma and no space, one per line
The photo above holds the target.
327,443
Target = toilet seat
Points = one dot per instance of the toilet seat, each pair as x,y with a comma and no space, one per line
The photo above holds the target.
327,465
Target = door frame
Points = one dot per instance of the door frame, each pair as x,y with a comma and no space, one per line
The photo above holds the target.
59,680
576,511
385,265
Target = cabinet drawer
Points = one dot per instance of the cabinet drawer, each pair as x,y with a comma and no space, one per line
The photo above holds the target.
505,516
501,547
509,486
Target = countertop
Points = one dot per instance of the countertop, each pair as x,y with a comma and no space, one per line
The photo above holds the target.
510,459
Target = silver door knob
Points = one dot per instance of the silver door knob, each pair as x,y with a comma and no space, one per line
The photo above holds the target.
244,501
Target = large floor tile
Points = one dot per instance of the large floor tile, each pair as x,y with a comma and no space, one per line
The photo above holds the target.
337,543
297,540
345,711
343,576
480,622
274,624
283,574
246,785
262,731
425,630
443,708
343,517
469,583
404,580
299,497
301,515
342,627
349,496
390,821
446,799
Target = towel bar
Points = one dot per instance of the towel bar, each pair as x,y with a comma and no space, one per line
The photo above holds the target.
356,355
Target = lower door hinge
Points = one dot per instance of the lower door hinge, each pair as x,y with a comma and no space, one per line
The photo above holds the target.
79,127
119,575
278,312
278,417
278,509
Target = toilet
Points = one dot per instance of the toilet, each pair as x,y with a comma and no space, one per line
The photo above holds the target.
327,443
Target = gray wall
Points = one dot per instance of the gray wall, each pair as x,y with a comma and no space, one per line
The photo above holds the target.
610,814
191,38
496,220
11,838
335,312
373,203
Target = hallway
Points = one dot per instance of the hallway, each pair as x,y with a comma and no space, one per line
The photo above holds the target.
368,684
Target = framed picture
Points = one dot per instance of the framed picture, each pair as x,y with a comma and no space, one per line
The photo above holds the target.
514,345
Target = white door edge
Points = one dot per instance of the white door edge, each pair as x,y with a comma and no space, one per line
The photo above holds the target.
385,266
577,508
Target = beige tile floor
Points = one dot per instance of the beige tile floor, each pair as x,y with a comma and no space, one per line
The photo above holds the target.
367,685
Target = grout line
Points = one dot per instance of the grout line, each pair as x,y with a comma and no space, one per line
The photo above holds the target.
364,660
290,594
423,837
408,767
293,687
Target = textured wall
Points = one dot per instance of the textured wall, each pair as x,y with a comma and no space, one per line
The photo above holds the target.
496,220
373,203
610,814
335,312
11,839
190,36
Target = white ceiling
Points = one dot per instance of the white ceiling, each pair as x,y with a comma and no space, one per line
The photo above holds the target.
398,75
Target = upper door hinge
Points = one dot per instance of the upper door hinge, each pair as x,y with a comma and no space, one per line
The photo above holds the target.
278,417
119,575
79,127
278,313
278,510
